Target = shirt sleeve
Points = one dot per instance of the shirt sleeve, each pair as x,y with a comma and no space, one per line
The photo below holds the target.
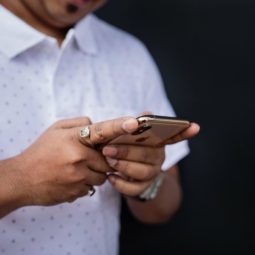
157,102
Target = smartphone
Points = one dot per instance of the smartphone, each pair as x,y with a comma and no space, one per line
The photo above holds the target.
153,130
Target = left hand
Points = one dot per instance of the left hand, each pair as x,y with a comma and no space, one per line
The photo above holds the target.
137,166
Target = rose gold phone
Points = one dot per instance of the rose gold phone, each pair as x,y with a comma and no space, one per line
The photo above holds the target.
153,130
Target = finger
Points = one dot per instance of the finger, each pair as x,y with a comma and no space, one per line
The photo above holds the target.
126,187
70,123
142,154
186,134
134,170
103,131
89,176
77,191
93,158
145,113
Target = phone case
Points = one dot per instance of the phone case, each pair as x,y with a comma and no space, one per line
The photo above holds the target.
153,130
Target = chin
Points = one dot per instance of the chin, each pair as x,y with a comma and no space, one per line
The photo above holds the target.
64,21
58,16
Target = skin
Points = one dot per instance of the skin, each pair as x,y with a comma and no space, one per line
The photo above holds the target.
50,16
49,173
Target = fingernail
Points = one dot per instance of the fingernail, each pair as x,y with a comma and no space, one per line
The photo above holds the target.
197,127
130,125
111,161
110,151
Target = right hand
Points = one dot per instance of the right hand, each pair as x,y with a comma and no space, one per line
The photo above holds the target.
60,166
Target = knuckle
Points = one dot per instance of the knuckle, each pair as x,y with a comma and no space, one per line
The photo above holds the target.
123,151
87,120
75,156
115,126
97,135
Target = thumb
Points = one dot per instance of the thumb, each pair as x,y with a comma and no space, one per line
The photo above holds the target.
145,113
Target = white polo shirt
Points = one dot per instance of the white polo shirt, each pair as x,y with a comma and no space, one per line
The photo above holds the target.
100,72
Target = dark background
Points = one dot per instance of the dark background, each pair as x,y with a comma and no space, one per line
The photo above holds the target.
205,52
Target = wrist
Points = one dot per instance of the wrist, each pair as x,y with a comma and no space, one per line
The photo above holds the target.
12,190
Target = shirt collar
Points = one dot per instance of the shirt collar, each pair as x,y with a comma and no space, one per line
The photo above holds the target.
17,36
85,35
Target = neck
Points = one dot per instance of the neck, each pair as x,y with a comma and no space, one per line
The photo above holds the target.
22,11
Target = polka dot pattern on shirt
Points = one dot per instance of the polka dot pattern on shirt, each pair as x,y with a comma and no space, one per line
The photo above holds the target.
101,75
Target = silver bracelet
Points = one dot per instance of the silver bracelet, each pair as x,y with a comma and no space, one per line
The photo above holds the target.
152,191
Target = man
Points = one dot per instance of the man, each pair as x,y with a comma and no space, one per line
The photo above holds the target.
58,63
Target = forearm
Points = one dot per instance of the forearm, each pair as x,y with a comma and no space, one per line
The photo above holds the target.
164,206
10,196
